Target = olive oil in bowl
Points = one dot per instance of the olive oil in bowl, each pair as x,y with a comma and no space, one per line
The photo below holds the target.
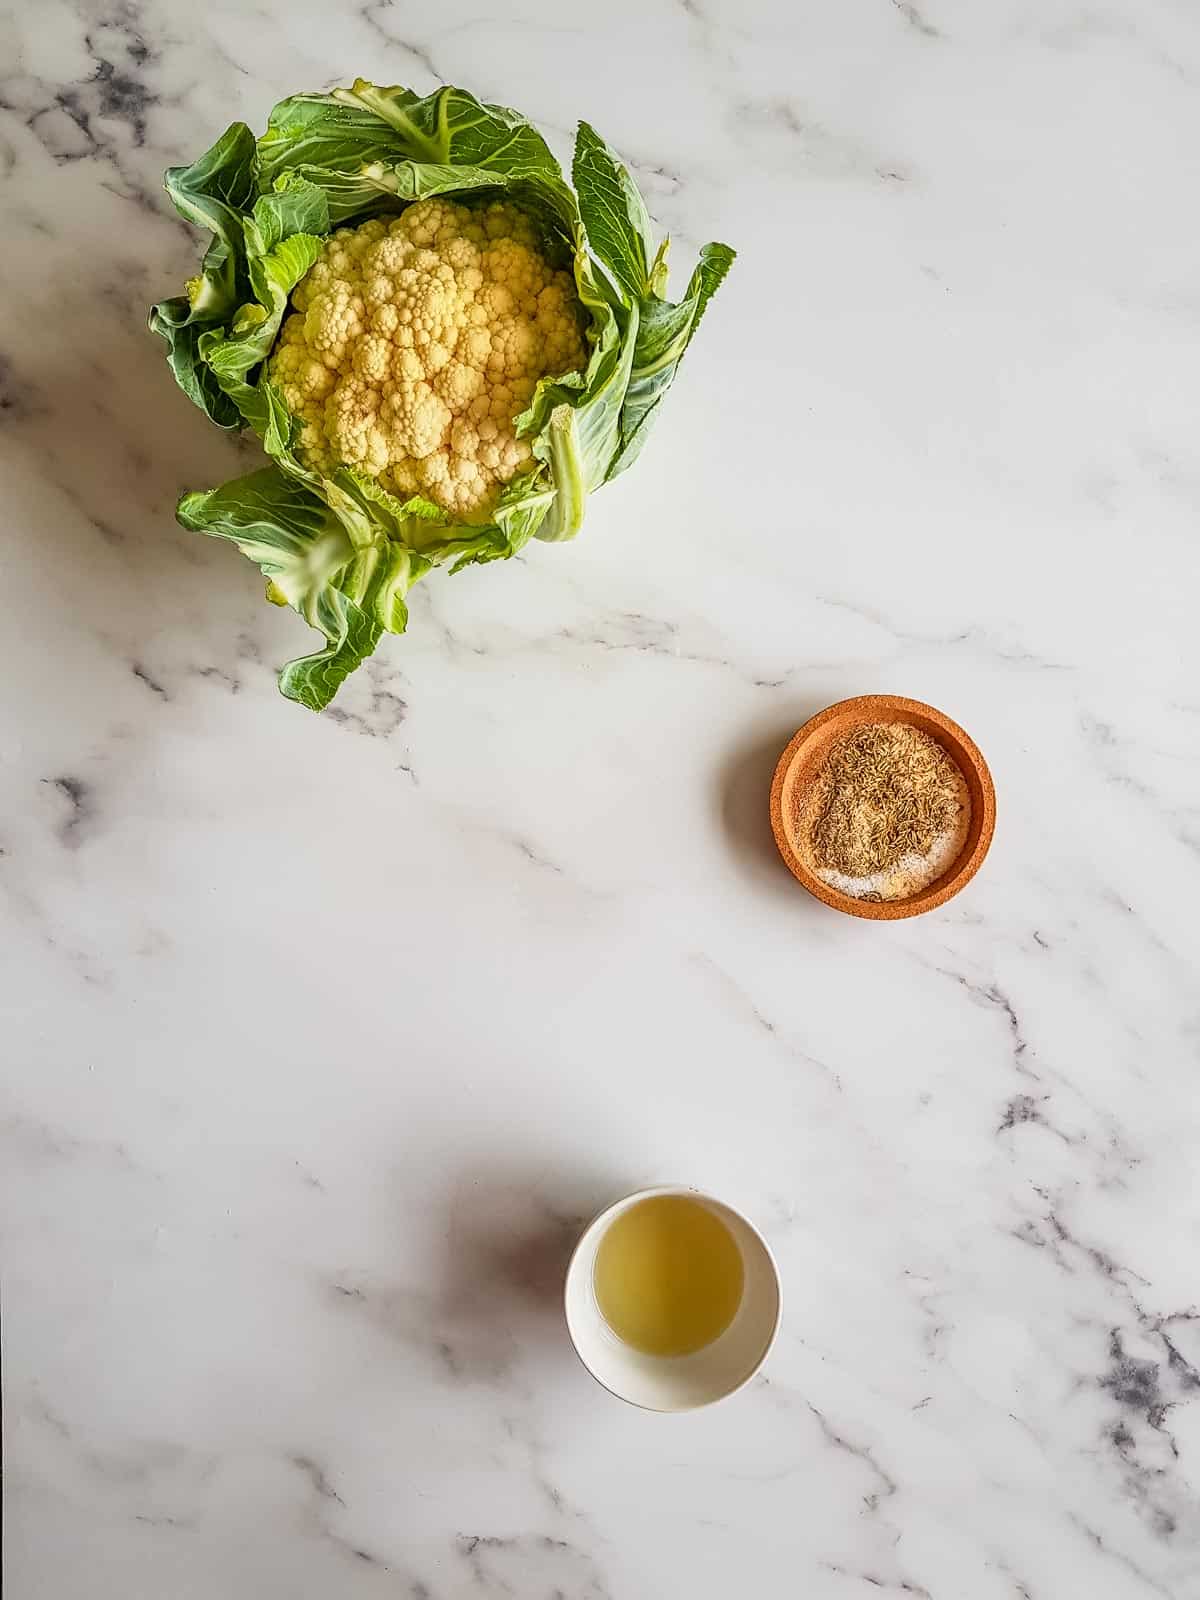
668,1276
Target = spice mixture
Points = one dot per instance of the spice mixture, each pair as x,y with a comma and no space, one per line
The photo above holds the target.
886,814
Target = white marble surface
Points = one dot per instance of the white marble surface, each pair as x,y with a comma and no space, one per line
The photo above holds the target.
322,1035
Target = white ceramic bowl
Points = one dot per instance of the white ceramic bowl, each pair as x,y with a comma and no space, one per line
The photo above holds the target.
675,1383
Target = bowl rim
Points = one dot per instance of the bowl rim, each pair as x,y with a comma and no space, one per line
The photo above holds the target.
960,746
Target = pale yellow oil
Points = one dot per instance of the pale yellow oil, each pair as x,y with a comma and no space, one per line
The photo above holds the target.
668,1276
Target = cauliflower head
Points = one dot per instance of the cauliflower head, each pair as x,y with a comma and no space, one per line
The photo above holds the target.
414,343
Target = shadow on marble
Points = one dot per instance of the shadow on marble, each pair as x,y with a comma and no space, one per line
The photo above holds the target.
510,1237
744,790
98,443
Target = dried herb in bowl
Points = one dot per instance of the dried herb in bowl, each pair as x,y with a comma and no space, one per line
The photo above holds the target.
887,812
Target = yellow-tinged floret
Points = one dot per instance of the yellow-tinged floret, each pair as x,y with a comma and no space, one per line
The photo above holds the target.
414,344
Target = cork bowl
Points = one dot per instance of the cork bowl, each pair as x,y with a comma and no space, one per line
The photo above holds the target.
802,759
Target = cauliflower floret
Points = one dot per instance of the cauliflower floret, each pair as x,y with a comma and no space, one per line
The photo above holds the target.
458,383
352,425
518,270
333,321
402,477
515,349
416,418
373,357
413,345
